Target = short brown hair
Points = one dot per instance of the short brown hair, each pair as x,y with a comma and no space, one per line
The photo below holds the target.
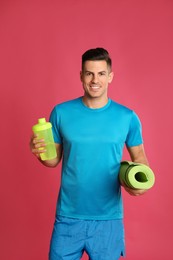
96,54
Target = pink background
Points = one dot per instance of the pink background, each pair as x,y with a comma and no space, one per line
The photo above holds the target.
41,43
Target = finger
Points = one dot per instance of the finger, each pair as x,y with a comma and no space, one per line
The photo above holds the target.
36,144
38,151
40,146
37,141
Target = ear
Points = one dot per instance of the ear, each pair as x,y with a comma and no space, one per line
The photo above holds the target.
81,76
111,76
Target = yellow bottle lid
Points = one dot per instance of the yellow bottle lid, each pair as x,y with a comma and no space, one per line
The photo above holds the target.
42,125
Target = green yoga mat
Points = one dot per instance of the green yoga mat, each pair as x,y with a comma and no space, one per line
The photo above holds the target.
136,175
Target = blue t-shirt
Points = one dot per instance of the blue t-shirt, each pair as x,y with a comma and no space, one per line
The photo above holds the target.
93,142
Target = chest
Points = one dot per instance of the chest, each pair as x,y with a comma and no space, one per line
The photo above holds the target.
96,127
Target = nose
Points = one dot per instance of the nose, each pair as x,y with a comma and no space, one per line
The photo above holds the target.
95,79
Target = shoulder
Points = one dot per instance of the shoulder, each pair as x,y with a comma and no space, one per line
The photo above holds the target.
124,112
120,108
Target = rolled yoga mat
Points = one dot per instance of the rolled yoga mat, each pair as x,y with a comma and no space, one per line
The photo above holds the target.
136,175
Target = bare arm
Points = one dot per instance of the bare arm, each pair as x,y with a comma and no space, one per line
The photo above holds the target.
137,155
35,144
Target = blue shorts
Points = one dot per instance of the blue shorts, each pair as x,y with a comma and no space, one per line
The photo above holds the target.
100,239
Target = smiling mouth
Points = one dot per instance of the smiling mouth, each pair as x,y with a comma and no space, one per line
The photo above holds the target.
94,87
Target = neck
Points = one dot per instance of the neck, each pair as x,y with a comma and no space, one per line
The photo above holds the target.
94,102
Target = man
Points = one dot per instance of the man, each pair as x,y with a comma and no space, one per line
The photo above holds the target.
90,133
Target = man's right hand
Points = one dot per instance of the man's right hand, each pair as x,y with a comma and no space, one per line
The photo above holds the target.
36,144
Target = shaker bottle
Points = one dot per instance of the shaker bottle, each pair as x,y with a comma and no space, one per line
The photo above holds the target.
44,131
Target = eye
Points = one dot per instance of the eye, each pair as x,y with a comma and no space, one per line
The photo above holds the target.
88,73
102,73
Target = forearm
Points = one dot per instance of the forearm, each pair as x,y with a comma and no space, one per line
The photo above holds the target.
142,160
50,163
138,155
54,162
36,144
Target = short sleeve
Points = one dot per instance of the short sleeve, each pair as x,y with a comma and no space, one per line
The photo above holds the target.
134,136
55,121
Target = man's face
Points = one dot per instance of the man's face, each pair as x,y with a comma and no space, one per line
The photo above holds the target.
95,77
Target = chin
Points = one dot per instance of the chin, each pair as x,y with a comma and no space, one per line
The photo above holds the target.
94,96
